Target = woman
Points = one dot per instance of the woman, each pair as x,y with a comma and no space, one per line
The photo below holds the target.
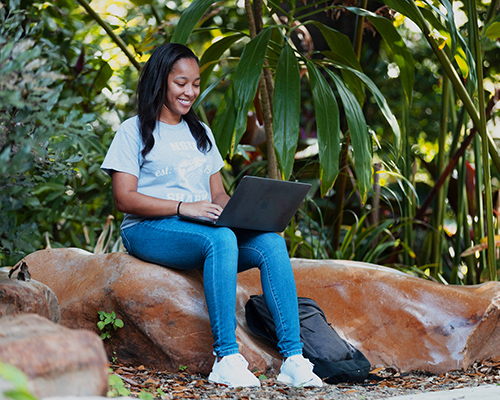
163,164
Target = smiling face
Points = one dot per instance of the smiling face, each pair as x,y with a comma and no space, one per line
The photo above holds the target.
183,87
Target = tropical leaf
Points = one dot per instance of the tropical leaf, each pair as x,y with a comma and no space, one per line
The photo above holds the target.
207,91
328,127
341,51
403,7
492,31
213,54
189,19
468,68
396,44
103,76
246,79
224,123
286,109
361,141
450,24
381,102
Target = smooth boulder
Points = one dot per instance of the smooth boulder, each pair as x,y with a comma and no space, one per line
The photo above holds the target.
32,297
395,319
56,360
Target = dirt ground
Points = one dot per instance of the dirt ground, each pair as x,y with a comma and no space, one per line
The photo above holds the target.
384,383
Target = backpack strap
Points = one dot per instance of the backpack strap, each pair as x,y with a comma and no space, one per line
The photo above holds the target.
259,319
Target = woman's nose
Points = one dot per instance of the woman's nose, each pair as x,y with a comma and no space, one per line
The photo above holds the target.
189,90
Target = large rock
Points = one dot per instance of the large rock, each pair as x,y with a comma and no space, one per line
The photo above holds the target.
20,297
395,319
56,360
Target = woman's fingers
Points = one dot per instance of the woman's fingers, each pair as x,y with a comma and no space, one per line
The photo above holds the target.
203,209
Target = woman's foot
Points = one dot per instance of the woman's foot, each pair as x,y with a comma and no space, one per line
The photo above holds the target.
298,371
233,371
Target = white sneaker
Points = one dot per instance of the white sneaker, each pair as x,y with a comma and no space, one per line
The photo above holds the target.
298,371
233,371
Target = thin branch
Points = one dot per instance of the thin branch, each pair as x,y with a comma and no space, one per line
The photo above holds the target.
117,39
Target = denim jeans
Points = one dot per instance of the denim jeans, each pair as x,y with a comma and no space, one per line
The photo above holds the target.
223,252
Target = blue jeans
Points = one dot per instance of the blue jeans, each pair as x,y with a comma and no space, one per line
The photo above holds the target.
223,252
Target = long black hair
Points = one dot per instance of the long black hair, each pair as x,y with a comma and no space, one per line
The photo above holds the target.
152,91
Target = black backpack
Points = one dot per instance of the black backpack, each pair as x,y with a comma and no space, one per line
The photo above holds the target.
335,360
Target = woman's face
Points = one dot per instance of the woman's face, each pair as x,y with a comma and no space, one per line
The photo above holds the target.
183,87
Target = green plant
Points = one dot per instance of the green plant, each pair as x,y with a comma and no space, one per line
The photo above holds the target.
50,183
145,395
108,324
19,381
116,387
182,368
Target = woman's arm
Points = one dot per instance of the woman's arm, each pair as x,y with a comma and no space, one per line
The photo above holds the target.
129,200
219,195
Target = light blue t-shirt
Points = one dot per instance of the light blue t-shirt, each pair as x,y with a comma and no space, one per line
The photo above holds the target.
173,170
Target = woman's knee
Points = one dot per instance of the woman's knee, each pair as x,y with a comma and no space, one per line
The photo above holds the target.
273,243
222,240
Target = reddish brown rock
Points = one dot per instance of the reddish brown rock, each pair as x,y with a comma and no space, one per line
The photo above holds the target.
395,319
57,361
20,297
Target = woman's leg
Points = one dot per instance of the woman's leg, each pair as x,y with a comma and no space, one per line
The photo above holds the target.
186,245
269,253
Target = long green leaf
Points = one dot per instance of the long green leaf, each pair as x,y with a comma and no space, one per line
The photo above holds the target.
246,79
224,123
381,102
396,44
212,55
404,8
492,30
286,109
450,23
361,140
435,22
328,127
189,19
341,51
207,91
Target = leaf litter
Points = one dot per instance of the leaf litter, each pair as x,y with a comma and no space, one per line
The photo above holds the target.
382,383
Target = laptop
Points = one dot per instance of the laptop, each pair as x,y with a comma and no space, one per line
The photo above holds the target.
260,204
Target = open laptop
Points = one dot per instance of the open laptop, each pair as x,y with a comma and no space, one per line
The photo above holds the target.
261,204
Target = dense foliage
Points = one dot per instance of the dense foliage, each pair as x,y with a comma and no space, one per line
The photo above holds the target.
370,101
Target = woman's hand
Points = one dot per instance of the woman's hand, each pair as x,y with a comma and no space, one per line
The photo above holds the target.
128,200
203,209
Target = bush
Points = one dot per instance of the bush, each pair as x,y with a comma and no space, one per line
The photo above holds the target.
50,183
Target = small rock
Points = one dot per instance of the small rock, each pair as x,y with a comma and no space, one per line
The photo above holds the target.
56,360
27,296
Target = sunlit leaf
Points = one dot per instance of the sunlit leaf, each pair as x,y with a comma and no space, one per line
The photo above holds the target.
328,127
189,19
395,43
450,24
286,109
212,55
493,31
468,68
404,8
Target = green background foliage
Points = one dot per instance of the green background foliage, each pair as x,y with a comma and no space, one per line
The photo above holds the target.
368,100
